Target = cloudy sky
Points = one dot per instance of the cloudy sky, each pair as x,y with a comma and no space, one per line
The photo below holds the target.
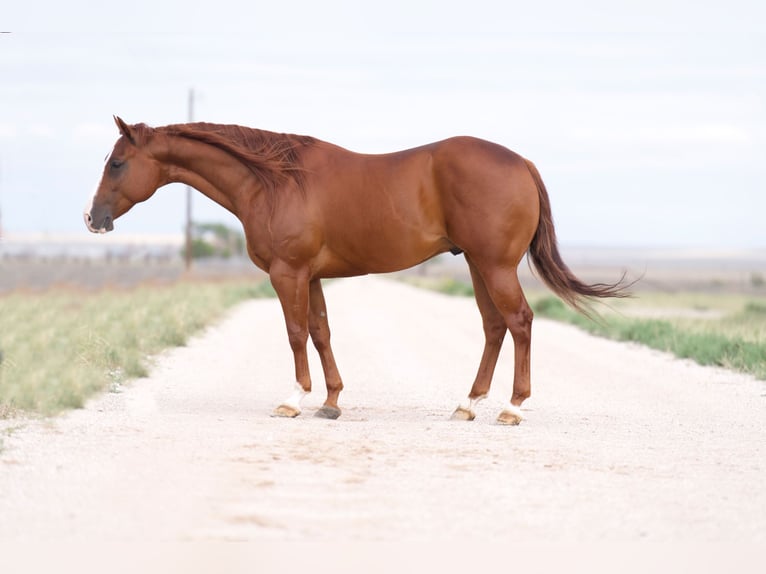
646,119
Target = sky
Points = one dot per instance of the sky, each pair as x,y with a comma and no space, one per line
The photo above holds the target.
647,120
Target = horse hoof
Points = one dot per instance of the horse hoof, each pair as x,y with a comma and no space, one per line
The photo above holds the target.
463,414
510,417
286,411
328,413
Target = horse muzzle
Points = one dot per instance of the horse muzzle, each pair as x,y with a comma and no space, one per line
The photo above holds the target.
100,225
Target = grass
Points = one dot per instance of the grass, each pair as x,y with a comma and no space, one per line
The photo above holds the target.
735,341
712,329
60,347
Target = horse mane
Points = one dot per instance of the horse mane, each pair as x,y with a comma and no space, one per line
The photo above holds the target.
272,157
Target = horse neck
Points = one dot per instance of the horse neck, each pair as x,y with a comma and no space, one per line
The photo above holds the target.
211,171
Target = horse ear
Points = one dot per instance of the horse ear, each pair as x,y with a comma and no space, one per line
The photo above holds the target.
124,129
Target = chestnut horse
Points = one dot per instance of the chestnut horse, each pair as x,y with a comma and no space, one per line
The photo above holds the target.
311,209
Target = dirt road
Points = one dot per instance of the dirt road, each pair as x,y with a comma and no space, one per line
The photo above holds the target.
620,443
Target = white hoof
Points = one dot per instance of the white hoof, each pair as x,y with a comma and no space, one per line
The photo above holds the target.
292,406
467,412
511,415
286,411
462,414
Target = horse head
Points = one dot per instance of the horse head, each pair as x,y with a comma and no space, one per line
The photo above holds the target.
131,175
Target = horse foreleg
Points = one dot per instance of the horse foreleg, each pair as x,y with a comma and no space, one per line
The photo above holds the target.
319,330
494,334
293,291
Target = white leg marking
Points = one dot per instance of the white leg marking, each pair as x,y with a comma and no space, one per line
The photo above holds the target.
470,404
296,398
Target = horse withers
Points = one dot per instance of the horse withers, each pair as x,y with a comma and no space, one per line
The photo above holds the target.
313,210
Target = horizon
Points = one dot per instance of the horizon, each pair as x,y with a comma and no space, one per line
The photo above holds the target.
94,242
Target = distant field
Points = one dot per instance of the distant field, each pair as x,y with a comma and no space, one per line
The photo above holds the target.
660,270
38,274
60,346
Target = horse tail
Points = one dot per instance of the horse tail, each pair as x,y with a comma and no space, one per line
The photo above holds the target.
545,255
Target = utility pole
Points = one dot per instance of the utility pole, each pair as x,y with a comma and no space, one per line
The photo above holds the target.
188,250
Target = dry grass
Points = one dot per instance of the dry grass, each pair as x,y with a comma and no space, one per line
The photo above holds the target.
61,346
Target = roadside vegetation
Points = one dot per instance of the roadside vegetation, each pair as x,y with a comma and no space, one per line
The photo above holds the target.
216,240
61,346
726,330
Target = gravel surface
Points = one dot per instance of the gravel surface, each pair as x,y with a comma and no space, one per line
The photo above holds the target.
620,443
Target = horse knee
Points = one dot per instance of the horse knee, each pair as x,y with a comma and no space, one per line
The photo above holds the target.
297,337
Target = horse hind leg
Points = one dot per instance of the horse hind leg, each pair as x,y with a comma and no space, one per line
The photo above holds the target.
506,292
503,306
495,329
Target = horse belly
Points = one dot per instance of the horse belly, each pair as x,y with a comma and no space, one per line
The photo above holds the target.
382,243
380,213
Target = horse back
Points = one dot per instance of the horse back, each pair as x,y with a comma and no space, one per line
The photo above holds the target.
379,213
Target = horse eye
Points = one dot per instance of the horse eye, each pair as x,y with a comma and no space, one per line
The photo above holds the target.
116,164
